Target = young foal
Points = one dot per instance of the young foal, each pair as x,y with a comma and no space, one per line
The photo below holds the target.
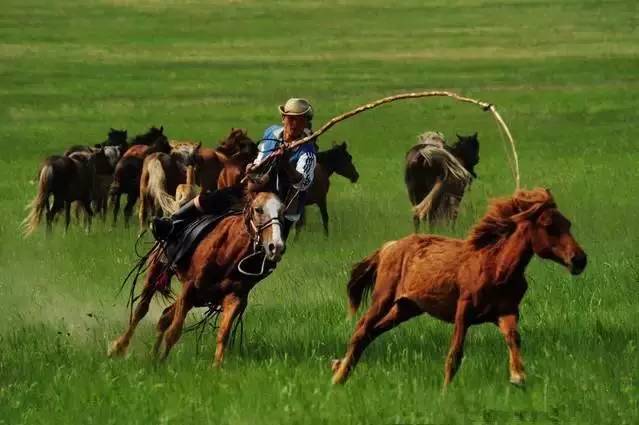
212,277
335,160
465,282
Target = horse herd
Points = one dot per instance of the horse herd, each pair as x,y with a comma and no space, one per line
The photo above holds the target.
161,174
465,282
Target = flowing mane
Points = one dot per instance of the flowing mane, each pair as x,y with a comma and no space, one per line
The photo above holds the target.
503,213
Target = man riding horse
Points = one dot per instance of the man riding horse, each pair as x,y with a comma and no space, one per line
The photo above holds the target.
291,177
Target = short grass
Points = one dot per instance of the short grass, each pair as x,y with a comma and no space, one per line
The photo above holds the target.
563,74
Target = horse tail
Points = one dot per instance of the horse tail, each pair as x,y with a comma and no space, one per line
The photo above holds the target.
362,280
156,186
37,205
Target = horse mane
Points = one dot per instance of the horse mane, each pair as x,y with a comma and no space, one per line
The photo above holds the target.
503,214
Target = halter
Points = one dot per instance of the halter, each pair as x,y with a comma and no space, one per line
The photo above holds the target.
255,233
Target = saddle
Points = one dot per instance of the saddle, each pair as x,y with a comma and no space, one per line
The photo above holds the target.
188,233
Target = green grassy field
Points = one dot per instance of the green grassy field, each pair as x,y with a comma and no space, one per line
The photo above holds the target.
564,75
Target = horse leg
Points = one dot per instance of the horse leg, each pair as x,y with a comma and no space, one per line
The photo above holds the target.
300,223
324,212
120,345
401,311
232,307
162,326
142,213
456,352
508,328
58,204
67,216
131,199
115,202
182,305
86,205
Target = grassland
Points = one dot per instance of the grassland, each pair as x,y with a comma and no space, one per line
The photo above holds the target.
565,75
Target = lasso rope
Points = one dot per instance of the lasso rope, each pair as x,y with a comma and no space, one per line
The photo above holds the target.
437,93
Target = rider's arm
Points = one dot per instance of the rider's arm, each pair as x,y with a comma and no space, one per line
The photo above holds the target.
305,170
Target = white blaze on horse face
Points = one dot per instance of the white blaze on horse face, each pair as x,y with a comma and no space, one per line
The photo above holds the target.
272,238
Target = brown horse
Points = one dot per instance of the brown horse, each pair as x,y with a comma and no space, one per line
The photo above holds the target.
161,175
465,282
335,160
234,169
213,276
211,160
69,179
437,176
126,177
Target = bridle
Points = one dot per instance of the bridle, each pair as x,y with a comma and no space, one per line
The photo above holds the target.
255,233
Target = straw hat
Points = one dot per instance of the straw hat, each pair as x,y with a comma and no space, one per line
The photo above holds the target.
295,106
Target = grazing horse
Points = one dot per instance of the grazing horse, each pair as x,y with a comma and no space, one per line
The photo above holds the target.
211,161
464,282
437,176
161,175
335,160
212,277
69,179
126,177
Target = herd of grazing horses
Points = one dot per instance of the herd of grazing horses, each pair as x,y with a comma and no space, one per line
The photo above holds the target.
479,279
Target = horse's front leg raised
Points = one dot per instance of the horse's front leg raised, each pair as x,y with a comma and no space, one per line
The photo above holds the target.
508,328
456,352
232,307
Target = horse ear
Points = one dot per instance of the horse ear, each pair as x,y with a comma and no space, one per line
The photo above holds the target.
198,146
343,145
458,136
161,129
475,135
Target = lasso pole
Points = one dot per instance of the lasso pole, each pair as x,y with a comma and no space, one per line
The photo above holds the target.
436,93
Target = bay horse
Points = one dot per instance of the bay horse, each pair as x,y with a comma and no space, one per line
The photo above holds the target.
68,179
335,160
234,169
212,277
465,282
126,177
436,177
211,161
161,175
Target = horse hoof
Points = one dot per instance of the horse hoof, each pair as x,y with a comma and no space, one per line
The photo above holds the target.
116,350
518,380
335,364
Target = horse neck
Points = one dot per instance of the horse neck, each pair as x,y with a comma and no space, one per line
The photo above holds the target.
510,256
324,159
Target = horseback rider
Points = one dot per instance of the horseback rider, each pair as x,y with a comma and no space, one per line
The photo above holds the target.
292,179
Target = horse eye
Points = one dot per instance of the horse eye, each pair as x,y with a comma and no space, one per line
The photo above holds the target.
259,210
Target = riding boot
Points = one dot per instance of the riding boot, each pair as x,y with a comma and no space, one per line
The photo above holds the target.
162,227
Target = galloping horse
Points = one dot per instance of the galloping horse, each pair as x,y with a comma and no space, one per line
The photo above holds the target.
335,160
465,282
69,179
161,175
212,276
437,175
211,161
126,178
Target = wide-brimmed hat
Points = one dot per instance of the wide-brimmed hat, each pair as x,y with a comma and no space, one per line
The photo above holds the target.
295,106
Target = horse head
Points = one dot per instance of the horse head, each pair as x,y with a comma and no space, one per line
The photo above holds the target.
466,149
237,142
341,162
264,219
116,138
187,154
550,232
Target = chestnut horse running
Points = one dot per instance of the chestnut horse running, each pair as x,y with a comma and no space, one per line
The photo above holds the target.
212,276
464,282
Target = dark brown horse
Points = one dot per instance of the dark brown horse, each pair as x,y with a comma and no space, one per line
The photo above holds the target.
335,160
437,176
211,160
213,275
68,179
126,177
464,282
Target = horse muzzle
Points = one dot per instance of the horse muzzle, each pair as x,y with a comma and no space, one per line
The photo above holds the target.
275,251
578,263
